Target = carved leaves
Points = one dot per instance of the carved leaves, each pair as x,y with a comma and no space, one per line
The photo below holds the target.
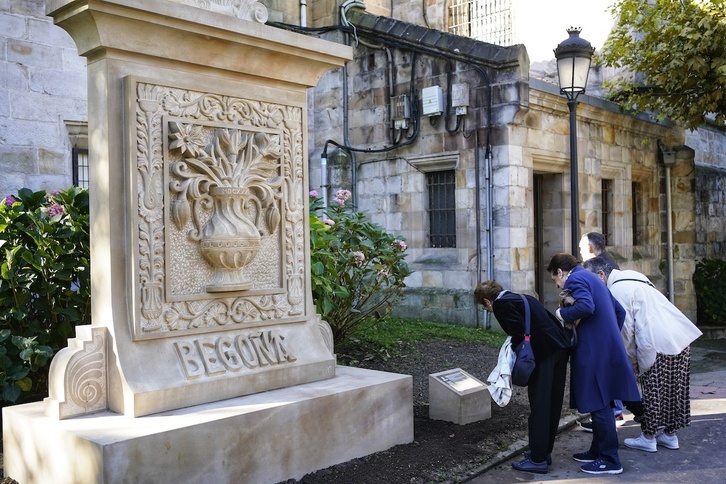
234,158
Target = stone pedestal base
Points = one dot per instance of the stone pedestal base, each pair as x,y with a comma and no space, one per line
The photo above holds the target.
264,438
456,396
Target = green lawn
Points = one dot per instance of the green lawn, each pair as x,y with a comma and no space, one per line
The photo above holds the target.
384,337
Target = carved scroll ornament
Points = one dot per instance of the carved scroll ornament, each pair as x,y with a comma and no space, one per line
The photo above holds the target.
242,9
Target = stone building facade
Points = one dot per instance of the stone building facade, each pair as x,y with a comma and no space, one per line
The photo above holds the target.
511,168
506,151
43,92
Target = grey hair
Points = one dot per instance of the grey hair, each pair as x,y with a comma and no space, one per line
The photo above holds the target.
597,264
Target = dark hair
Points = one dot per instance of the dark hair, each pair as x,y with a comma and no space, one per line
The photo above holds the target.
597,264
487,290
597,240
562,261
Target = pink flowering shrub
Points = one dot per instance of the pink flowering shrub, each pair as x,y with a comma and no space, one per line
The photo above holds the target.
44,284
357,268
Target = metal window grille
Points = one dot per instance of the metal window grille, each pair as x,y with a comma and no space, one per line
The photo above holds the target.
637,196
442,209
80,167
607,219
490,21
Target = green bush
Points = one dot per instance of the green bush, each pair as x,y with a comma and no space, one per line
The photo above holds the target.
44,284
357,268
709,280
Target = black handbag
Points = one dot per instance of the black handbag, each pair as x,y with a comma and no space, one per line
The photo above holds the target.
524,364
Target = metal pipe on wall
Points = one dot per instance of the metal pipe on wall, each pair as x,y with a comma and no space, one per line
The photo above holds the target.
669,230
669,159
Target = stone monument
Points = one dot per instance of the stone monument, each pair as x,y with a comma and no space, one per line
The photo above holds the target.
205,360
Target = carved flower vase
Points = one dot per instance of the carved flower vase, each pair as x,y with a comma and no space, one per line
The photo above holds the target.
230,241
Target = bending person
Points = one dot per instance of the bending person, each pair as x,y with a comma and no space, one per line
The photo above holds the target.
599,367
546,387
592,244
657,338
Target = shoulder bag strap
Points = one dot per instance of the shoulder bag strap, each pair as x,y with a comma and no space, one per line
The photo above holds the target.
526,317
636,280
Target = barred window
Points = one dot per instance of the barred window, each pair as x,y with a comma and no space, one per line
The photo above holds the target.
607,210
637,213
442,209
490,21
79,157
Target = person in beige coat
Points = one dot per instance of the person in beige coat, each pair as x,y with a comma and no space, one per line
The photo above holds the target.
657,338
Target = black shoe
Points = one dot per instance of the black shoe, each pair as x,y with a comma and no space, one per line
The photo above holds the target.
586,426
527,465
528,455
601,467
586,456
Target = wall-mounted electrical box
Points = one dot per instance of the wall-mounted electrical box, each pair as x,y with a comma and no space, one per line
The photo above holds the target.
400,111
460,98
432,99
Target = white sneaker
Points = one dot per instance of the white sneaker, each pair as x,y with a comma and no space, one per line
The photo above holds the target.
641,443
667,441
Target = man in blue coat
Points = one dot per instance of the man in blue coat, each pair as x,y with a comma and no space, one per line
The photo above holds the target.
600,371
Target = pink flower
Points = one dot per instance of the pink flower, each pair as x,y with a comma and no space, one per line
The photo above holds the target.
50,195
55,209
9,200
341,196
327,221
313,193
359,257
400,244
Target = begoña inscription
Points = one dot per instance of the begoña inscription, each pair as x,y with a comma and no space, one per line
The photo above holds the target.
216,356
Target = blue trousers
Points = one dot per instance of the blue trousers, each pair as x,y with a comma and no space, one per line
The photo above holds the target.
605,436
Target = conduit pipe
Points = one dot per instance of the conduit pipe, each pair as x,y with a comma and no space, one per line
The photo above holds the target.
303,13
669,159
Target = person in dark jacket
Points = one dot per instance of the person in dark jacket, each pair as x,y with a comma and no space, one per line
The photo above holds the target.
592,244
600,370
546,387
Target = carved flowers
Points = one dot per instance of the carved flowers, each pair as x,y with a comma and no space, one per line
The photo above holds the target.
236,177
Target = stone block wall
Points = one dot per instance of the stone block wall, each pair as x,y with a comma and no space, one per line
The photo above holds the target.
610,146
709,148
391,185
43,86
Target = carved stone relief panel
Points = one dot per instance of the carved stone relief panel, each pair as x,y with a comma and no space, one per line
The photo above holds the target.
218,189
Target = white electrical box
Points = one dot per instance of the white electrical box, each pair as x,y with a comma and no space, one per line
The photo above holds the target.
432,99
460,98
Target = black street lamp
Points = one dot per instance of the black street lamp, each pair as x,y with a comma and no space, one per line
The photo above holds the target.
573,66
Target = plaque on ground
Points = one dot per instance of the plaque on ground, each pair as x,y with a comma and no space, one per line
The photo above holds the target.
456,396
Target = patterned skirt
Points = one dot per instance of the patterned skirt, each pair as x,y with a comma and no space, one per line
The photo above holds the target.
666,393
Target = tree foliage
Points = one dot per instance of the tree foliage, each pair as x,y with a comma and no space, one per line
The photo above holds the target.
673,53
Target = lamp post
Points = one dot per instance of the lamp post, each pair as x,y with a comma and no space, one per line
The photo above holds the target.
573,66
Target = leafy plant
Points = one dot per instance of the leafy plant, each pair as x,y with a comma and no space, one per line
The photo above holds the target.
357,268
709,280
44,284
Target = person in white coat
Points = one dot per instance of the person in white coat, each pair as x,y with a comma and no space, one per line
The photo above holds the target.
657,338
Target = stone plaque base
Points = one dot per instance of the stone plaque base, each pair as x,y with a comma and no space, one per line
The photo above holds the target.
263,438
456,396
